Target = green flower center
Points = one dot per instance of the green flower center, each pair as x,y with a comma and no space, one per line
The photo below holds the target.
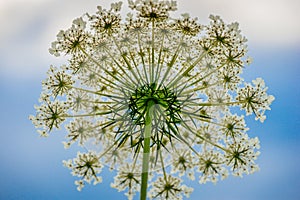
153,15
107,26
165,100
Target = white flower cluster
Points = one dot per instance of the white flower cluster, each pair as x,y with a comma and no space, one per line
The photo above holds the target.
50,114
127,177
71,40
255,99
169,187
85,166
153,93
58,81
153,9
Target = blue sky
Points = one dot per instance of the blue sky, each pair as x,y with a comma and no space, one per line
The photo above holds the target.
31,167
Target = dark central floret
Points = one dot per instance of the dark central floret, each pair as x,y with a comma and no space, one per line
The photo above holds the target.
165,101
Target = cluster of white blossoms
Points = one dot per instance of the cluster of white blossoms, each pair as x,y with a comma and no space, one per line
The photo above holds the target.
152,97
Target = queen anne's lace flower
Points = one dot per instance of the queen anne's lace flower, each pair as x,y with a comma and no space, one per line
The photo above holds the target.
85,166
241,155
254,99
59,82
71,40
187,25
80,130
233,126
50,114
127,177
152,96
169,187
153,10
183,163
210,166
106,22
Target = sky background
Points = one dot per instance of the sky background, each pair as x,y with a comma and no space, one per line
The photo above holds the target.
31,167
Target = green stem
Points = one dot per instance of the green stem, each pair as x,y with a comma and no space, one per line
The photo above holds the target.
221,104
152,54
146,153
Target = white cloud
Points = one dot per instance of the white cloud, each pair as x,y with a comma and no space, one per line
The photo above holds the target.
28,27
265,22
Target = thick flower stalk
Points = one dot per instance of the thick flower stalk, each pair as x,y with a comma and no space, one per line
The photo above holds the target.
152,97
